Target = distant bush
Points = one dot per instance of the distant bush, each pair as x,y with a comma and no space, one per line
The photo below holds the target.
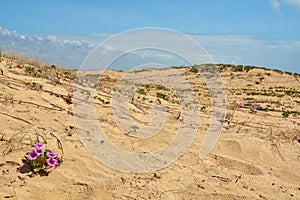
238,68
161,95
296,75
29,69
193,70
141,91
286,114
247,68
278,71
147,86
161,87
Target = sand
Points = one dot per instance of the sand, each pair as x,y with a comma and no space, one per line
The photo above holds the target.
256,157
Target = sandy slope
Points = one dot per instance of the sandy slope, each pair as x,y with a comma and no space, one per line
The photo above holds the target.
257,156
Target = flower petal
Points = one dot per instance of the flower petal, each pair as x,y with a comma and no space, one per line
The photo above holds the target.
38,145
51,154
32,155
51,162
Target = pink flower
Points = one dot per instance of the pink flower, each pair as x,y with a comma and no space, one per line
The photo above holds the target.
38,145
239,105
51,154
273,107
32,155
39,151
253,107
51,162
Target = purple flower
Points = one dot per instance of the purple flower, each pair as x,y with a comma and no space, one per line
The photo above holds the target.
39,151
51,162
38,145
246,103
253,107
32,155
263,107
51,154
273,107
239,105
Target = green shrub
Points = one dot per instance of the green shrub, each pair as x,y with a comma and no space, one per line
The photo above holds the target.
161,95
238,68
247,68
141,91
161,87
286,114
29,69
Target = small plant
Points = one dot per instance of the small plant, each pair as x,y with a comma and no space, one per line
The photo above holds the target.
29,69
203,108
172,100
247,68
239,105
286,114
161,95
238,68
147,86
141,91
253,108
40,160
161,87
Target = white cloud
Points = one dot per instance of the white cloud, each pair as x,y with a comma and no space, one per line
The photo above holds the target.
106,49
70,50
5,32
52,38
252,50
293,3
72,42
276,4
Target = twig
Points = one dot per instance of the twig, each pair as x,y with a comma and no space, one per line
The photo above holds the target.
238,178
59,145
38,105
221,178
18,118
52,104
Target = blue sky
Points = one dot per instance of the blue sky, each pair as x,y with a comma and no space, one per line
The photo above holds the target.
263,22
260,17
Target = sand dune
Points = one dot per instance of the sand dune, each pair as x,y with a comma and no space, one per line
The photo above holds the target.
257,156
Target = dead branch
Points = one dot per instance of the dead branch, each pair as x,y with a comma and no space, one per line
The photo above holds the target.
14,117
59,145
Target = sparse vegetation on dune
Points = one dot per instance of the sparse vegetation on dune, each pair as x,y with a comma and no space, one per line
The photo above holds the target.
259,142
